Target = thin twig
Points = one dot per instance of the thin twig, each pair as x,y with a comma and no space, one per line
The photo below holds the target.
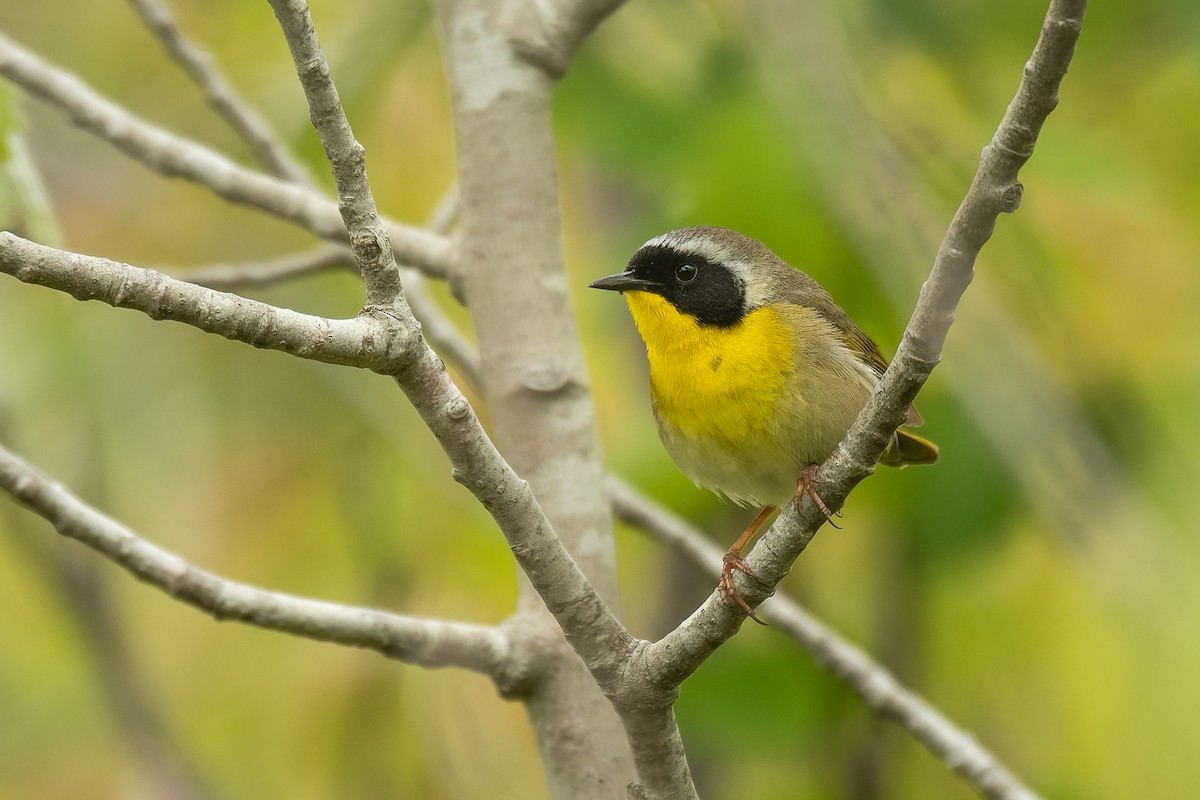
419,641
440,330
223,98
368,341
176,156
347,158
230,277
364,341
447,339
878,688
445,213
442,333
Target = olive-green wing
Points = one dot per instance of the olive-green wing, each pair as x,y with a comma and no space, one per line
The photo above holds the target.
858,342
868,352
792,285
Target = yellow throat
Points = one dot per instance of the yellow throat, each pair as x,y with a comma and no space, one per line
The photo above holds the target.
710,382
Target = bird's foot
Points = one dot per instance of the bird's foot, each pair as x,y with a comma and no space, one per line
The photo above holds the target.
807,485
732,562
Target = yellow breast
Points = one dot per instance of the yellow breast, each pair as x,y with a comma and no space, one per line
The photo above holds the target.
710,382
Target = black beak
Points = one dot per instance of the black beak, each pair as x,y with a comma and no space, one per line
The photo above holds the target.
623,282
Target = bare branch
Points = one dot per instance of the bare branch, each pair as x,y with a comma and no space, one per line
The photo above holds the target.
367,341
994,190
368,238
886,696
175,156
439,330
443,220
223,98
228,277
445,213
443,335
418,641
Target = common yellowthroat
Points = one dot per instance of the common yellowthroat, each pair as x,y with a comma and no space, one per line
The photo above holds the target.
756,373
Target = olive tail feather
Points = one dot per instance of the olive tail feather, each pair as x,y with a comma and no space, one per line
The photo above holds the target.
908,448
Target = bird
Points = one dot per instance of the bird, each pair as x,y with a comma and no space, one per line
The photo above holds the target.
756,373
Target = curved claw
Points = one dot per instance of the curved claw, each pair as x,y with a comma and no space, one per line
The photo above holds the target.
729,593
807,484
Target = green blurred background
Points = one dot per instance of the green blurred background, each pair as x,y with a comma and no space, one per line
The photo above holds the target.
1039,585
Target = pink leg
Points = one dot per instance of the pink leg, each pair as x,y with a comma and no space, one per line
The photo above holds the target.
733,561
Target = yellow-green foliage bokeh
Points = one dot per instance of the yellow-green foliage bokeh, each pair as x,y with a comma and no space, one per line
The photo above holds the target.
1042,595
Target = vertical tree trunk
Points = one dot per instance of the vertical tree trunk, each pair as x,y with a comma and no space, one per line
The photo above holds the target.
535,384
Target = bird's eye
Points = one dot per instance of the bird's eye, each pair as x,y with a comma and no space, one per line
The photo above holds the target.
686,273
